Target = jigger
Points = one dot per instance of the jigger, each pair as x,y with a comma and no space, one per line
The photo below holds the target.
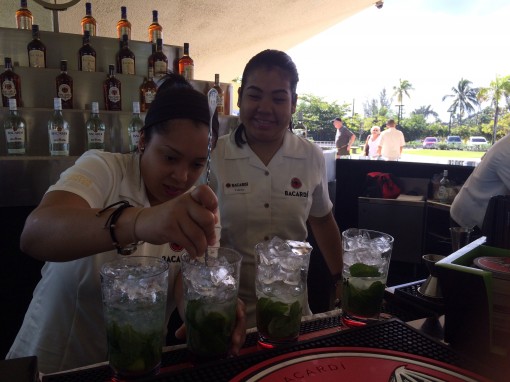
431,287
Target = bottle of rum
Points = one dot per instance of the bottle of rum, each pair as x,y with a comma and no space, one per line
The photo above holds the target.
158,61
186,65
443,193
125,58
148,91
15,130
24,17
112,91
87,55
155,29
123,25
220,98
58,131
10,84
88,22
64,83
95,129
134,127
36,50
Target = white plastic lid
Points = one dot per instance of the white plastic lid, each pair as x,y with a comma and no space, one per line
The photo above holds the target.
136,107
95,107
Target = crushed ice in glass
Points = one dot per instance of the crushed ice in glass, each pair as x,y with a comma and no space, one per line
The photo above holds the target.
216,278
135,282
282,260
360,248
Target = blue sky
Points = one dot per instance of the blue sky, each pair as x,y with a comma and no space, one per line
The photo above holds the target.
430,43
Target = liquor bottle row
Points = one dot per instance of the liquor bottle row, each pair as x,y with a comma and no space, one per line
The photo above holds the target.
25,19
125,57
59,130
10,84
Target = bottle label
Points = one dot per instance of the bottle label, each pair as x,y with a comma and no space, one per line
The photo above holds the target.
135,137
90,27
128,66
61,136
88,63
24,22
125,30
95,136
65,92
442,194
220,103
114,94
155,34
8,89
188,72
15,135
36,59
148,97
160,68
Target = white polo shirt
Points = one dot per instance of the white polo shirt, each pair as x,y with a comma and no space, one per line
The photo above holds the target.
391,142
64,324
258,202
490,178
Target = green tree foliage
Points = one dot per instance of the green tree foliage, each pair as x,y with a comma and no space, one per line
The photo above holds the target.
464,99
497,93
403,88
317,116
426,111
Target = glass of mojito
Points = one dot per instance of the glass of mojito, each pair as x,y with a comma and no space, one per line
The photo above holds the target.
366,257
210,301
134,291
282,269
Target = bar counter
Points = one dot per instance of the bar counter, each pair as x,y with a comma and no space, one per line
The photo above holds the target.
329,351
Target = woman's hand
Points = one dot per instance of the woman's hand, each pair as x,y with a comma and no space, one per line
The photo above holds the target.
187,220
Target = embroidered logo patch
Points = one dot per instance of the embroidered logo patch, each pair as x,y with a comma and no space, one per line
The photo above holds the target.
296,183
176,247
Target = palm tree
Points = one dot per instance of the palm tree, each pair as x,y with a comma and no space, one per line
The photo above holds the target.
403,87
426,111
464,99
498,89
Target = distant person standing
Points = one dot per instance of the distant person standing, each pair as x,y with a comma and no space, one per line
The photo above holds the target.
372,142
344,138
392,142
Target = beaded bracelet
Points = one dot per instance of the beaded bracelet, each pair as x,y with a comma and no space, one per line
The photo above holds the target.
110,225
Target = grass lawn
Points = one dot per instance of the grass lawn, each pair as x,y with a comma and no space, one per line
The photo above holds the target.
445,153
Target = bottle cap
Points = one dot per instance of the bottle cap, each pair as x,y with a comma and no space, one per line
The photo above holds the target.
136,107
95,107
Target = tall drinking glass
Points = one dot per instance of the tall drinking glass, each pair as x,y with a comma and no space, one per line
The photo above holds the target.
210,298
366,257
134,293
282,268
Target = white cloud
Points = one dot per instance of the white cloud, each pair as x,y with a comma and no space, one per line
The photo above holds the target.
431,46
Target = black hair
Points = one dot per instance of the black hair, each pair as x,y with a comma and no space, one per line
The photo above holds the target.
176,98
268,59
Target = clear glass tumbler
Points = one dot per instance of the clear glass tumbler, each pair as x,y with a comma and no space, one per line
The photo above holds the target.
210,301
134,293
282,269
366,257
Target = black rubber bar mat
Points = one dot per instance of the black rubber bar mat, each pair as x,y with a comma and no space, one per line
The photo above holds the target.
391,335
411,294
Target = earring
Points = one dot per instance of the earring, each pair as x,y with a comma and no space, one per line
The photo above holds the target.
142,149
